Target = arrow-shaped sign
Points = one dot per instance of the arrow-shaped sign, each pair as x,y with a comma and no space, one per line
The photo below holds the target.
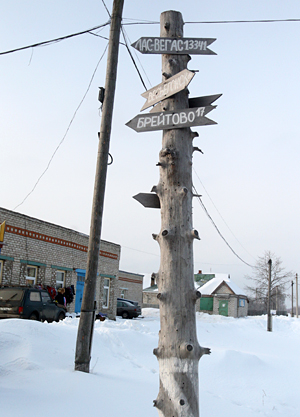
176,46
171,120
193,102
148,200
167,88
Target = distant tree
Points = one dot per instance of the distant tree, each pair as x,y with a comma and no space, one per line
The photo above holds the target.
258,291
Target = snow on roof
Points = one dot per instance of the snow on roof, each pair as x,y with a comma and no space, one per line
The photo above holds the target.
214,283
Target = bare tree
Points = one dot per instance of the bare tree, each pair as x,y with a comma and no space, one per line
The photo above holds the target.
258,291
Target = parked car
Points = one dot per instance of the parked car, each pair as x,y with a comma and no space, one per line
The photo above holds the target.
130,301
29,303
127,310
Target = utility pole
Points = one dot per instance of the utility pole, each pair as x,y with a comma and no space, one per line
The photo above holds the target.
297,295
86,323
269,297
178,351
292,299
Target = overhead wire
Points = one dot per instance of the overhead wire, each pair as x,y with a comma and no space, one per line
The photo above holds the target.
221,214
133,60
142,22
217,229
54,40
243,21
67,130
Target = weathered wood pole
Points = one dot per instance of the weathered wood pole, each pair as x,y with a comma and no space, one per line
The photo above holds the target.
269,326
86,323
178,351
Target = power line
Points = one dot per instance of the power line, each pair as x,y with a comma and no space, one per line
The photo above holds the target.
148,22
54,40
131,56
221,215
215,226
142,22
244,21
68,128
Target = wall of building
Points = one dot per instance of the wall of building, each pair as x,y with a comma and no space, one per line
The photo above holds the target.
150,299
51,248
130,286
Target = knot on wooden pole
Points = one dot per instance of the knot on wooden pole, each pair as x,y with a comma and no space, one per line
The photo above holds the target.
194,234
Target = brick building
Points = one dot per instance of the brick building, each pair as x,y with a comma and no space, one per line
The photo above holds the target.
40,253
131,286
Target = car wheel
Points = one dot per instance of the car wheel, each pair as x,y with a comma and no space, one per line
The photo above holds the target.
33,316
125,315
61,317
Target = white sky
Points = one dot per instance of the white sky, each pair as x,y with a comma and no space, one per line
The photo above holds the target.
249,173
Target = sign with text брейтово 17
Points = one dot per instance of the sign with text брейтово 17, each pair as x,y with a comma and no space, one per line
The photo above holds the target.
182,46
170,120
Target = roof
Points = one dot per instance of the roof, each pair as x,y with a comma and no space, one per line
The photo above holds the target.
153,288
211,286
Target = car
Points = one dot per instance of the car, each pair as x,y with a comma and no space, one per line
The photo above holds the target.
29,303
130,301
127,310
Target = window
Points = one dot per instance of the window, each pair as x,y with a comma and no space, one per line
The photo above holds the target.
46,297
35,296
242,302
106,293
1,270
60,279
123,293
31,275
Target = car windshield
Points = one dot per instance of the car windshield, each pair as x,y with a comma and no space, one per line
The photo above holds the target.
11,294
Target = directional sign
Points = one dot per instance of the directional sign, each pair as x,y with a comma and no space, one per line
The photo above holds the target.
193,46
171,120
193,102
148,200
167,88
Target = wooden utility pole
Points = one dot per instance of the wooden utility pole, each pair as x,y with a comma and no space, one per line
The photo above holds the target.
269,297
297,295
86,323
292,299
178,351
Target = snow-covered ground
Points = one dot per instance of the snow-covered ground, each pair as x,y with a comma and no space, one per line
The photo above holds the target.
250,372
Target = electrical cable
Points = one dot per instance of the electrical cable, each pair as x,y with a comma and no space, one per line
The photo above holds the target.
131,56
215,226
244,21
137,57
144,23
54,40
68,128
221,214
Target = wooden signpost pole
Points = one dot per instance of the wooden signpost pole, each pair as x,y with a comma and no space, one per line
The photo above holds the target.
178,351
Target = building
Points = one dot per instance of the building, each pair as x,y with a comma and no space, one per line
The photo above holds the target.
130,286
150,297
220,295
36,252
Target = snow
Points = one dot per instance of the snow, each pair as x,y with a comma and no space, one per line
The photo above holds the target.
250,372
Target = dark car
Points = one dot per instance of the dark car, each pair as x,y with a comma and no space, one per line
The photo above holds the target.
130,301
127,310
29,303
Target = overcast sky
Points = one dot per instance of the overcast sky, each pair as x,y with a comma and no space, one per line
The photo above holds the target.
249,173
